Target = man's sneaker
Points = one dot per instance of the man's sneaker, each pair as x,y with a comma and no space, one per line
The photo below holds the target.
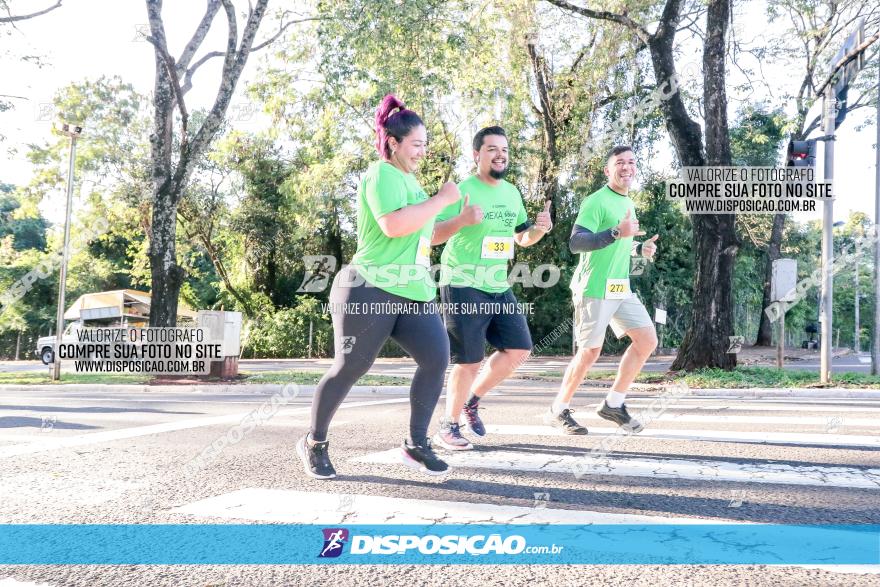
315,459
564,421
422,458
450,438
473,419
620,417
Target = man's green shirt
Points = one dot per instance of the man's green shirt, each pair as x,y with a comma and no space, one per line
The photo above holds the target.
477,255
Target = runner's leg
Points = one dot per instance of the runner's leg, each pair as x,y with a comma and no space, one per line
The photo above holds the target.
461,380
500,366
358,338
575,373
423,336
644,341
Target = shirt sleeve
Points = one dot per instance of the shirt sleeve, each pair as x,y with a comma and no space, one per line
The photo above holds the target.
590,215
583,240
522,218
385,192
450,211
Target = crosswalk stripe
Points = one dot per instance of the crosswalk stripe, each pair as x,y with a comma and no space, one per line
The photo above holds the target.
289,506
124,433
659,468
741,407
726,419
745,436
10,582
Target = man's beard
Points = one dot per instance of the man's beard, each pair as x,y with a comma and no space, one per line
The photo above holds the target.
497,174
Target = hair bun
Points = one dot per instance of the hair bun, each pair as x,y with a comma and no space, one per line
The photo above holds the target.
389,104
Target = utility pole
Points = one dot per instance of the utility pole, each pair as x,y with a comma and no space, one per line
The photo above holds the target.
875,346
844,66
73,131
825,307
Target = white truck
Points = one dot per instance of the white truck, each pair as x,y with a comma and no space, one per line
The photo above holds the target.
46,344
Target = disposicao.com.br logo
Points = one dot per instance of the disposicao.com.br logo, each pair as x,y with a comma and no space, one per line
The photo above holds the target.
394,544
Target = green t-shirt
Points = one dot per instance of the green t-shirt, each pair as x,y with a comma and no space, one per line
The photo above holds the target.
476,256
397,265
600,211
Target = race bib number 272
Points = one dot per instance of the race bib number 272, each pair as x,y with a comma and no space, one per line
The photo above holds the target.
617,289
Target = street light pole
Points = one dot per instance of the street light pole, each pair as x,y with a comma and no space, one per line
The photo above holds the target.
825,307
73,132
875,346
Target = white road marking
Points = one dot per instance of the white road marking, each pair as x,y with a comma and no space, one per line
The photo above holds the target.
725,419
745,436
10,582
288,506
642,404
110,435
660,468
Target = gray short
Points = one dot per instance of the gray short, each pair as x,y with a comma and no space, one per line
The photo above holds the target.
593,315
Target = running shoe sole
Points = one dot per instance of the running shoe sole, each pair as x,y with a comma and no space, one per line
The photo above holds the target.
467,426
438,440
301,453
628,426
410,462
472,431
551,420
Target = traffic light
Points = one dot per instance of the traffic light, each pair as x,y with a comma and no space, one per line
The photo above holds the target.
801,153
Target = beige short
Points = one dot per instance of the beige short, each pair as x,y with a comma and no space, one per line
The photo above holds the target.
593,315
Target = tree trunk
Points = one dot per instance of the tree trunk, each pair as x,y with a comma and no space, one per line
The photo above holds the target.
167,275
548,171
706,342
765,329
169,179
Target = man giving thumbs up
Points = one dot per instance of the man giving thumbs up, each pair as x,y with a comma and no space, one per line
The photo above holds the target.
603,236
478,304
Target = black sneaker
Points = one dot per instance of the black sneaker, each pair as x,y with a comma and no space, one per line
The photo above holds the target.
315,459
473,418
564,421
621,417
422,458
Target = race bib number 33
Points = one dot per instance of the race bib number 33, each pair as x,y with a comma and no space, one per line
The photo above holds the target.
497,247
617,289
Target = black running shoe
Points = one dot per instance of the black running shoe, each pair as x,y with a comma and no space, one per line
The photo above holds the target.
564,421
315,459
621,417
473,418
422,458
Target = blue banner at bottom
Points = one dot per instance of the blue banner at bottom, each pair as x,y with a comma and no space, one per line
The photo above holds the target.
224,544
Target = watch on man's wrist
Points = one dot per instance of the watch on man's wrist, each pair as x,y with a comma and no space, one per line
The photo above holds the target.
615,232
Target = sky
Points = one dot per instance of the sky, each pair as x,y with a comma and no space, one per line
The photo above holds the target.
85,39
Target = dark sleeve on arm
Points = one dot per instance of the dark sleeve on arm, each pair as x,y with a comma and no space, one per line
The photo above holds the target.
583,240
524,226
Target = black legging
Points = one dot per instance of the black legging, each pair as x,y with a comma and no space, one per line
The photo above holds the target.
359,335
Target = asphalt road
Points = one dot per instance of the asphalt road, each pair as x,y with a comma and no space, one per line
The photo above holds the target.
96,457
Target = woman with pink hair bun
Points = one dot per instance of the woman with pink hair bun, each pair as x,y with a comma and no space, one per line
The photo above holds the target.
388,292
